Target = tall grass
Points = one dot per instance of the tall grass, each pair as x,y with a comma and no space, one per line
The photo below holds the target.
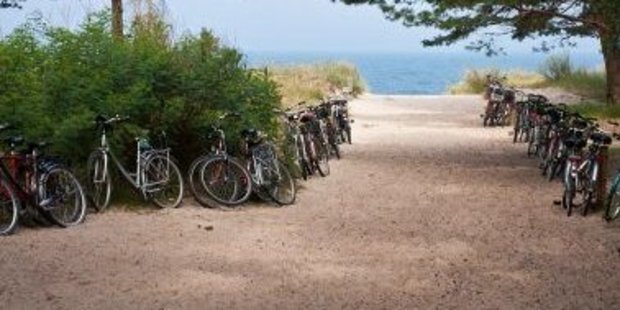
475,81
557,71
561,73
315,81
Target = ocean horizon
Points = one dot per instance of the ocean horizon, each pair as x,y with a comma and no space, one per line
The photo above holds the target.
418,73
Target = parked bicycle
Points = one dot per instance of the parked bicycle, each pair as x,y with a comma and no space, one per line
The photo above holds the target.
582,174
156,177
612,203
218,175
270,178
31,181
500,103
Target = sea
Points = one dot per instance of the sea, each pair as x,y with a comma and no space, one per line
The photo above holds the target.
419,73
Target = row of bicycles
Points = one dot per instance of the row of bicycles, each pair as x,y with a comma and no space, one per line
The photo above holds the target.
39,188
568,147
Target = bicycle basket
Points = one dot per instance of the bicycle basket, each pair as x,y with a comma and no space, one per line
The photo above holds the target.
264,151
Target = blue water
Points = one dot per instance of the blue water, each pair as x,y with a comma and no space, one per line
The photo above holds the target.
417,73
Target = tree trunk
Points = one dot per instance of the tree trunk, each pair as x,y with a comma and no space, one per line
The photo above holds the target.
117,18
610,45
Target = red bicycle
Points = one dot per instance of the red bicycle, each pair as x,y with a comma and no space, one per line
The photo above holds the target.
33,182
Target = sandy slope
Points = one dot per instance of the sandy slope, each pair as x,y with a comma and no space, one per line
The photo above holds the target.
427,210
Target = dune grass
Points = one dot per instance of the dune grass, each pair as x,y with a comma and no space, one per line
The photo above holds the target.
475,81
557,71
313,82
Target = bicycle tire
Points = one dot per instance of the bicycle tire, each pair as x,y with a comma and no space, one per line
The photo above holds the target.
242,187
195,186
10,203
348,133
553,170
612,208
569,195
322,161
336,150
285,183
99,181
54,186
532,148
517,130
164,176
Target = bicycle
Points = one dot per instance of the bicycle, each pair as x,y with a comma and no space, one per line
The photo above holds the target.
328,130
612,203
340,114
316,146
222,177
296,142
582,172
157,177
33,182
271,180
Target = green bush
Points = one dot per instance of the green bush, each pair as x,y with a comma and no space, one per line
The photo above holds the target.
54,81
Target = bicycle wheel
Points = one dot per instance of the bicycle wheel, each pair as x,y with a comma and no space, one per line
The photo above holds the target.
260,185
9,209
61,198
569,190
163,182
226,180
283,189
612,209
532,147
552,169
195,185
335,149
99,182
517,129
322,160
348,132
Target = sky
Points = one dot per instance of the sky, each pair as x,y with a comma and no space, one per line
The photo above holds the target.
271,25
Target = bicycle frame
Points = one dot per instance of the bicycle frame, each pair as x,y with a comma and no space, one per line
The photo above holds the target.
138,179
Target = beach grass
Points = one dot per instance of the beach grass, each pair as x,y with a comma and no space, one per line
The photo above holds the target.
475,81
557,71
312,82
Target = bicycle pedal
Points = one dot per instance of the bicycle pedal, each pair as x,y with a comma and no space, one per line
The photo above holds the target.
46,203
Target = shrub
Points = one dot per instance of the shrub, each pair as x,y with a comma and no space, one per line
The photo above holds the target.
54,81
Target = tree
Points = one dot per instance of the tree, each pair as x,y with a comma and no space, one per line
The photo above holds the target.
560,20
117,18
117,14
10,4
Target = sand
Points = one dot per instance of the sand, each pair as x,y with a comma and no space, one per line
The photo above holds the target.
426,209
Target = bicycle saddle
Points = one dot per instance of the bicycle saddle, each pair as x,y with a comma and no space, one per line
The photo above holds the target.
5,126
39,145
601,138
575,143
13,141
251,135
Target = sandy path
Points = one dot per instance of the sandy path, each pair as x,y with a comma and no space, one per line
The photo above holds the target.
427,210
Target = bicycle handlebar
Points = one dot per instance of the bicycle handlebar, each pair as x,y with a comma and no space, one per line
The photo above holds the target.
102,120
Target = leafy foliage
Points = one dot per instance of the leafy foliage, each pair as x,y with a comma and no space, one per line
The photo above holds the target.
458,19
54,81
